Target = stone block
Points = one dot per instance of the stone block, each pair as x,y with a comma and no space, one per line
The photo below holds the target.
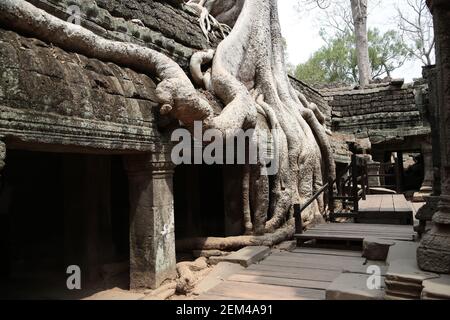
352,286
402,250
376,249
438,288
406,270
245,257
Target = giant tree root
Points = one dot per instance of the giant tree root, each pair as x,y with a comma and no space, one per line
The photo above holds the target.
233,243
190,273
175,91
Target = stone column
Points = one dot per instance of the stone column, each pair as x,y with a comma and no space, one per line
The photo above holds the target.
152,231
427,185
433,253
373,168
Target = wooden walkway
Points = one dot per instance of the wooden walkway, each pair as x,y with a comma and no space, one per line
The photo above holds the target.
306,272
357,232
303,274
385,209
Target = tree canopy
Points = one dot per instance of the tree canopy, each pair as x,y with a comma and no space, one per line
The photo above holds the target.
336,61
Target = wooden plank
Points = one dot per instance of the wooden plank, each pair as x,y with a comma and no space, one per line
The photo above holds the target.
308,265
296,283
350,236
387,204
372,203
331,252
400,204
326,265
360,226
292,272
318,257
337,232
255,291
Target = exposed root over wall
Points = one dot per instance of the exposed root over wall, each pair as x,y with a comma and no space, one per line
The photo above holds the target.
247,72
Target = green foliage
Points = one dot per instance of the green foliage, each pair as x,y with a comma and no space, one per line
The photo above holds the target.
336,61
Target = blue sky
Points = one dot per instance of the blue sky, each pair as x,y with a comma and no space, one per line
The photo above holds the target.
302,32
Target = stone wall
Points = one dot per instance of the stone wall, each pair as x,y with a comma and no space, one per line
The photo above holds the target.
382,111
164,28
64,99
51,96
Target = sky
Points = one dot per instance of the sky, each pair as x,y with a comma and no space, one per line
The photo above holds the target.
301,32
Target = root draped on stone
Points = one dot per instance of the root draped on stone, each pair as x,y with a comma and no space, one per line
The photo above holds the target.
247,72
190,273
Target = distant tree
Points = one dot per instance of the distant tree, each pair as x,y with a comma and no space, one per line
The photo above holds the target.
337,60
416,24
344,16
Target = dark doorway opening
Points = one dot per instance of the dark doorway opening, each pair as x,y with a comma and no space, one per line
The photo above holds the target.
58,210
199,201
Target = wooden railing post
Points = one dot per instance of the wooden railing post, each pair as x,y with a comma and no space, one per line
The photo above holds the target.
399,172
355,184
363,178
331,202
298,219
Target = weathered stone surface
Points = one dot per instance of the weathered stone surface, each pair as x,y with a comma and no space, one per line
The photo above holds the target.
376,249
50,96
221,272
162,27
406,270
245,257
402,250
438,288
152,231
387,110
434,250
351,286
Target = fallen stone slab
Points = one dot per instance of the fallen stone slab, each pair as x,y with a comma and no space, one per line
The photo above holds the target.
352,286
376,249
245,257
406,270
402,250
438,288
221,272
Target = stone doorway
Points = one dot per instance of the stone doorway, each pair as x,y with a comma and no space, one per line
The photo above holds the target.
199,201
57,210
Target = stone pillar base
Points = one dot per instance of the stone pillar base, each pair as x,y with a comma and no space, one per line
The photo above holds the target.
433,253
422,195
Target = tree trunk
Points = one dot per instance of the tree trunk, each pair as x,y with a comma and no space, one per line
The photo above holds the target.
359,12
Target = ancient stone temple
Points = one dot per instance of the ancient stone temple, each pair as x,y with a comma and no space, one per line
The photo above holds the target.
90,93
109,110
